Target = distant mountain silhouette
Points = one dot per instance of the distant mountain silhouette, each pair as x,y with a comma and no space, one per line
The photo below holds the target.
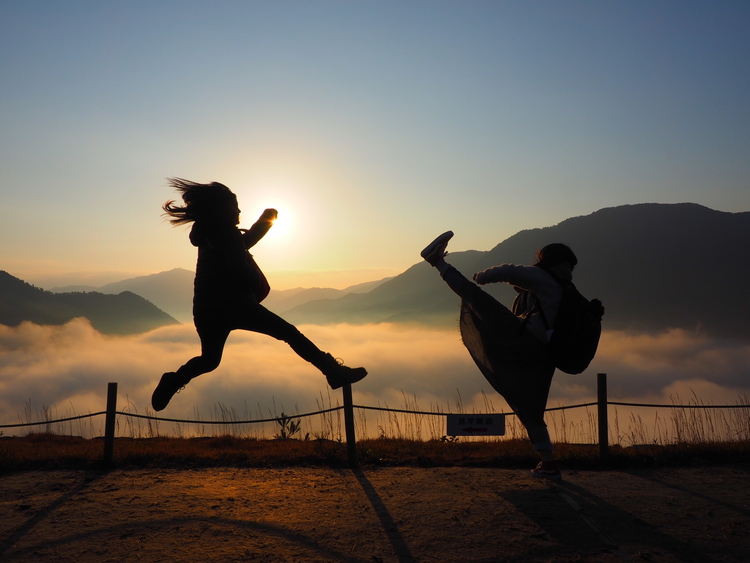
126,313
286,299
171,291
655,266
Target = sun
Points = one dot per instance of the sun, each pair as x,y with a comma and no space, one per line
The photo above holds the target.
283,228
293,234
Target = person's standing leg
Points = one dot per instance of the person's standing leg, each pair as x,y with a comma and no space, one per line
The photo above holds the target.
482,303
538,384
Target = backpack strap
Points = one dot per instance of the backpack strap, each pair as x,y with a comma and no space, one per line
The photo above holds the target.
537,308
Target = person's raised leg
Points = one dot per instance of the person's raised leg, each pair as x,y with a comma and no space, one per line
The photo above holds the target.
261,320
434,254
212,348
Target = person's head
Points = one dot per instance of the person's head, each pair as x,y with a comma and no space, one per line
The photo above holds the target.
555,254
203,202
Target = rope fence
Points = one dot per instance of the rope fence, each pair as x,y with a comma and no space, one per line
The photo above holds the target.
220,422
602,403
361,407
676,406
45,422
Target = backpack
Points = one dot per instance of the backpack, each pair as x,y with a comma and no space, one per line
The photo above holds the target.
577,329
260,288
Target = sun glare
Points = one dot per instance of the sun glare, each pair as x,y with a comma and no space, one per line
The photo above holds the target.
291,242
286,224
282,226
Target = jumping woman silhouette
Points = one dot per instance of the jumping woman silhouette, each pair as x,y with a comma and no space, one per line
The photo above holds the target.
229,287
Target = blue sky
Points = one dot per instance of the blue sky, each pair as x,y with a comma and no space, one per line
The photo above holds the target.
371,126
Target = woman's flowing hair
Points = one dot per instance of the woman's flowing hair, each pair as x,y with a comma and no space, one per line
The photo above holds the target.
201,200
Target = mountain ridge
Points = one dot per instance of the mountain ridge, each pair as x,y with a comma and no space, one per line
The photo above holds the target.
125,313
655,267
172,292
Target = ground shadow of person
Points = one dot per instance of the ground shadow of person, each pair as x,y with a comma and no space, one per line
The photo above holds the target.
401,549
576,517
689,491
85,481
269,534
557,522
260,537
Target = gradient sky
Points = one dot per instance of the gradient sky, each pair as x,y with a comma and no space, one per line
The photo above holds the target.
371,126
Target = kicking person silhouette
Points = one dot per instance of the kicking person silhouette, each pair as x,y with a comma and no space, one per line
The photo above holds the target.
229,287
510,346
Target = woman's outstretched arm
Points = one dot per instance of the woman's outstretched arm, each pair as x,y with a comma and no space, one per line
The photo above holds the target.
252,235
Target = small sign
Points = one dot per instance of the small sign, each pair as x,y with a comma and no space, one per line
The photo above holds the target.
476,425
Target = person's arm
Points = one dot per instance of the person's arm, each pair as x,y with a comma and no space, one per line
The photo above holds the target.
527,277
259,229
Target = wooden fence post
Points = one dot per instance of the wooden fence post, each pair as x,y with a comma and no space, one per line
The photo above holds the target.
109,424
351,440
601,399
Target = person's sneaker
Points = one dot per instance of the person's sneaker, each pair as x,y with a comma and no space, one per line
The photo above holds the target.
436,249
547,470
170,384
339,375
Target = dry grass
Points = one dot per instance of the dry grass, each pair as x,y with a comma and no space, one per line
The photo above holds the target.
649,437
51,451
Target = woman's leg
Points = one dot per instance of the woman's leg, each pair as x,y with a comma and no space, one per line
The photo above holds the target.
530,411
456,281
538,433
213,336
259,319
490,310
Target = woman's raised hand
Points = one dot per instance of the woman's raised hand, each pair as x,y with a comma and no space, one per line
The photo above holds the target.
270,215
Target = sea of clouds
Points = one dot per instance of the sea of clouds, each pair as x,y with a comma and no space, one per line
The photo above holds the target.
65,371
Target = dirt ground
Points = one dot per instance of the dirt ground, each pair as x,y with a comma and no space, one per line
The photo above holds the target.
398,515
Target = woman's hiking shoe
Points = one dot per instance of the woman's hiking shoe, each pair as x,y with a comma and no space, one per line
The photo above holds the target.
170,384
547,470
436,249
339,375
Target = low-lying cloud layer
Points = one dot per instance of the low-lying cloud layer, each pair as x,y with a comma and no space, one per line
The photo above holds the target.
67,368
643,366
